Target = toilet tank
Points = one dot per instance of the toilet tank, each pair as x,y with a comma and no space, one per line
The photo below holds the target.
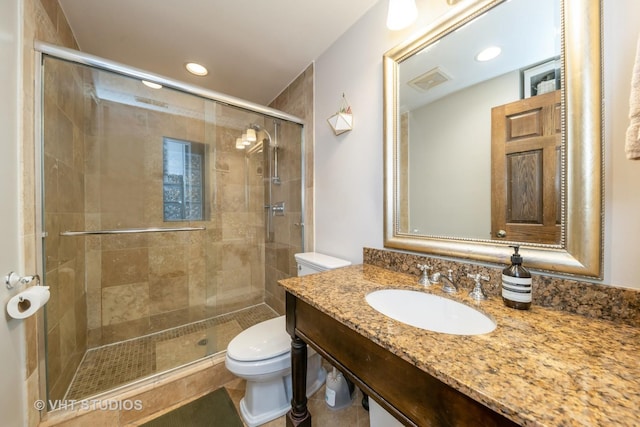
314,262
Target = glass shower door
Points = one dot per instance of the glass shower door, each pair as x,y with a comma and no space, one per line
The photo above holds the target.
155,244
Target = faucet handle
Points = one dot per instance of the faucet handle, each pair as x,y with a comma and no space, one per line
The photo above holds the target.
424,279
477,293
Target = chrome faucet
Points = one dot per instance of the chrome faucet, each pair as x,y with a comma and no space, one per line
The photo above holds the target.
449,286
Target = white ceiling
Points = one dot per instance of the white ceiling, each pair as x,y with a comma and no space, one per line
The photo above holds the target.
253,48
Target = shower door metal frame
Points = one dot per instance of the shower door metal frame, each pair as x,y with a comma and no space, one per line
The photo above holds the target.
125,70
42,49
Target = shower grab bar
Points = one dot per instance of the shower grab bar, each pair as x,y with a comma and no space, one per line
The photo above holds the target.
130,231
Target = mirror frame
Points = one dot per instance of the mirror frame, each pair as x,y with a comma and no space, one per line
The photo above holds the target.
580,252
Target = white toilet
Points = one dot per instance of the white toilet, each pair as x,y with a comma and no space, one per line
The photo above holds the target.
261,355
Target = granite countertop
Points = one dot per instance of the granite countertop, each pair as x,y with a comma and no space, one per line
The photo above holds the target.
539,367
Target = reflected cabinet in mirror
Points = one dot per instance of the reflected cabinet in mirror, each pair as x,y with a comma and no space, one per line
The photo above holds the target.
493,135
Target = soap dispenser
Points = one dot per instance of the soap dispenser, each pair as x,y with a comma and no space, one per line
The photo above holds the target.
516,283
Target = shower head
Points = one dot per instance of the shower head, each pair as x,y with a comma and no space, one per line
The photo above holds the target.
273,143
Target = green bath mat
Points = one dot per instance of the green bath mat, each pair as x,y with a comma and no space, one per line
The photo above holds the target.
212,410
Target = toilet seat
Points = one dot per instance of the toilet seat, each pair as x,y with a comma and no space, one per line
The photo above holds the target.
262,341
259,367
262,349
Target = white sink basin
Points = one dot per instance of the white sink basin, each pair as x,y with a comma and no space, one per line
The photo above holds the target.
431,312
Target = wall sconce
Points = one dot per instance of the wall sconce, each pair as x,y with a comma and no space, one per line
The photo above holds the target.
401,14
342,120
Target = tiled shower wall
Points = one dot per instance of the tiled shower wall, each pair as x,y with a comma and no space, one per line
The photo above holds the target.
142,283
104,171
230,260
64,177
296,99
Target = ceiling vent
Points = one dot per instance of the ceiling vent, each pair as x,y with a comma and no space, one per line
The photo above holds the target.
429,80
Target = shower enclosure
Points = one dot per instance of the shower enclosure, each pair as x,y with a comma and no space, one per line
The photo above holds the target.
167,216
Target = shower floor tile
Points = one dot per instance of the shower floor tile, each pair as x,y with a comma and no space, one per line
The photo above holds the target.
113,365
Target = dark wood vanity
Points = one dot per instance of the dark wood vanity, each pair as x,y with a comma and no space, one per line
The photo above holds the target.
411,395
539,367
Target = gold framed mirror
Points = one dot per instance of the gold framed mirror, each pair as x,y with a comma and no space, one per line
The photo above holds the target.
576,248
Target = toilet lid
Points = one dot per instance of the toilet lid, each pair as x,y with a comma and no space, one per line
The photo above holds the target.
261,341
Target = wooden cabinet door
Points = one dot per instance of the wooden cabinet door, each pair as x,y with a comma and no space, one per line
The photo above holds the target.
525,176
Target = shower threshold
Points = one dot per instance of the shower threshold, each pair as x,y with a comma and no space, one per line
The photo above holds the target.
113,365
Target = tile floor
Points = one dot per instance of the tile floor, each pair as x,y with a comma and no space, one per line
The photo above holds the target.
110,366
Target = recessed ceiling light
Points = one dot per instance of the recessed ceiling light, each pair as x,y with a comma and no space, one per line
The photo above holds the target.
197,69
152,85
488,53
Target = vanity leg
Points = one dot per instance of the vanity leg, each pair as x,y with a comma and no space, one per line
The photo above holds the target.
299,414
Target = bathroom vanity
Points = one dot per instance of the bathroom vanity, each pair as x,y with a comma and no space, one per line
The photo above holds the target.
539,367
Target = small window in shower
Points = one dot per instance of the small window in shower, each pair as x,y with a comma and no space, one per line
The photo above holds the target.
183,180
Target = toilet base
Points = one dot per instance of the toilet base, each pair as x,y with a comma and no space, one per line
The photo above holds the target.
263,418
266,401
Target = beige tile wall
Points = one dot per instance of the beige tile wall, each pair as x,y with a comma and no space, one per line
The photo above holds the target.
142,283
296,99
43,20
64,124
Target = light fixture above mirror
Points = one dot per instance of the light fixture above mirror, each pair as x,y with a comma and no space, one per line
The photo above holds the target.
401,14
